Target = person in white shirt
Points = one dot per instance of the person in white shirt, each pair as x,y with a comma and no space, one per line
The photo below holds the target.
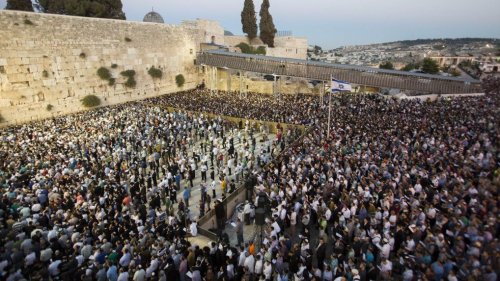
268,270
123,276
125,259
230,270
250,263
193,229
54,268
385,249
153,266
259,265
140,275
241,260
385,268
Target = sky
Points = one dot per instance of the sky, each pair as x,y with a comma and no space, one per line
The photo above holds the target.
334,23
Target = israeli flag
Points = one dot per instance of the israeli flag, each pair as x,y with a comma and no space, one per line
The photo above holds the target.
340,86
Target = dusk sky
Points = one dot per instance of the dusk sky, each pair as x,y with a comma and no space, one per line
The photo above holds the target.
333,23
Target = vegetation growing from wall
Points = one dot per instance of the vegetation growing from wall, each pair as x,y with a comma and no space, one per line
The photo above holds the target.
129,74
248,19
111,9
179,80
128,39
114,65
267,28
49,107
45,74
130,83
247,49
1,119
104,73
91,101
83,55
155,72
20,5
28,22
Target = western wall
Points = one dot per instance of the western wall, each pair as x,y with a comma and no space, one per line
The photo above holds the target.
53,60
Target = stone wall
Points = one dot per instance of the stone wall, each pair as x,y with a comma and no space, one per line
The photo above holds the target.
212,31
284,47
52,59
258,85
289,47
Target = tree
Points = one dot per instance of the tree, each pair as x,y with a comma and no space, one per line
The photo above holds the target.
20,5
455,73
111,9
248,19
386,65
267,29
430,66
411,66
317,50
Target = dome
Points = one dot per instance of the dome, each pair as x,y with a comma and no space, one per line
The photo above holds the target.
153,17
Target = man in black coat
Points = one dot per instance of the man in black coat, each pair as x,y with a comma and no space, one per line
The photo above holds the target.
321,253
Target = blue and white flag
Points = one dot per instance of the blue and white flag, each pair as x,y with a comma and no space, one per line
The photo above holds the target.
340,86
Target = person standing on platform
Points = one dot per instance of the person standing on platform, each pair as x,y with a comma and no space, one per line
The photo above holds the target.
239,232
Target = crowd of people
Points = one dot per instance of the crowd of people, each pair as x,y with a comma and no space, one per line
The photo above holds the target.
403,190
399,190
115,180
305,109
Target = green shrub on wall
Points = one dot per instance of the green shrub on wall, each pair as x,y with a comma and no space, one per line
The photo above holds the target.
83,55
130,83
104,73
49,107
179,80
1,119
128,39
114,65
155,72
91,101
247,49
111,81
45,73
261,50
128,73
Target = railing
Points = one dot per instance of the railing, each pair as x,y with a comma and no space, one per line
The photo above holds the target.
284,33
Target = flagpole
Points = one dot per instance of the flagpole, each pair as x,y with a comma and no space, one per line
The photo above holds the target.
329,108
